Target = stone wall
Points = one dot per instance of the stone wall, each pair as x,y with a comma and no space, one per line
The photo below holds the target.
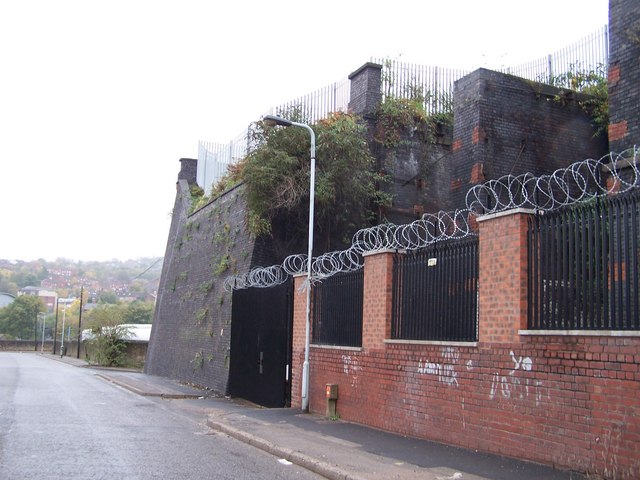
508,125
190,338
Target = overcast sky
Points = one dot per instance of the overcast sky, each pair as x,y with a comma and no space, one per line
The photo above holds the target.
100,99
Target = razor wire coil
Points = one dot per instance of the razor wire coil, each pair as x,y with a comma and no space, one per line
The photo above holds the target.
578,182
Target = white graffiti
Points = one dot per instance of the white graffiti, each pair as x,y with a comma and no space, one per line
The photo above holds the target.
512,386
444,371
351,368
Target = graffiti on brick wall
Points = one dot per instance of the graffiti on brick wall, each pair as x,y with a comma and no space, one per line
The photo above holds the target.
352,369
515,385
445,371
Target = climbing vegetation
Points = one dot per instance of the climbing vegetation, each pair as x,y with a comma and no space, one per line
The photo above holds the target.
592,82
399,117
277,176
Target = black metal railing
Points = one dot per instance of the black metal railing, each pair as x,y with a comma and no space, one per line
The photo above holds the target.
435,293
337,310
583,266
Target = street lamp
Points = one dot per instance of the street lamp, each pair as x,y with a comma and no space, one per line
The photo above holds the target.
42,316
273,120
64,316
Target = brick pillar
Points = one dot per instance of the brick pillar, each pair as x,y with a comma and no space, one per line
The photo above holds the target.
502,302
366,92
298,339
376,303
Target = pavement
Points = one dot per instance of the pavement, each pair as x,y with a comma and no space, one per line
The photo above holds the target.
335,449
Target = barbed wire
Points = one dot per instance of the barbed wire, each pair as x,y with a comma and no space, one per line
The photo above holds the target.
578,182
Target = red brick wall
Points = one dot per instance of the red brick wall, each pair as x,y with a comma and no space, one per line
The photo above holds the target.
569,401
298,339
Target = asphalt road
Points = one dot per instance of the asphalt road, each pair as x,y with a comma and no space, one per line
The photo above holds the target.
64,422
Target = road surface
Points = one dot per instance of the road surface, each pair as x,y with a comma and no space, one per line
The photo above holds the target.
63,422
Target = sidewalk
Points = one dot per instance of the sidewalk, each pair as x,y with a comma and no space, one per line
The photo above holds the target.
334,449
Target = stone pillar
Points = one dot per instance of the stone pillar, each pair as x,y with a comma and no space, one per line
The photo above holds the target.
188,170
502,282
366,92
377,299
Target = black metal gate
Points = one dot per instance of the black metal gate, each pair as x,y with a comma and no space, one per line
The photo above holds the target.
260,362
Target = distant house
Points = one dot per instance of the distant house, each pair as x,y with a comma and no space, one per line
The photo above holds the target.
5,299
48,297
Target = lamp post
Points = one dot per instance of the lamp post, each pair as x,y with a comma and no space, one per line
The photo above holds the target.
64,316
273,120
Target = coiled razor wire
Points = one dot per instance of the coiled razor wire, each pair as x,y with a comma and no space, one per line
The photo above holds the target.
429,229
578,182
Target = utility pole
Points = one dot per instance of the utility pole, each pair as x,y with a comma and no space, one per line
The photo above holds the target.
35,330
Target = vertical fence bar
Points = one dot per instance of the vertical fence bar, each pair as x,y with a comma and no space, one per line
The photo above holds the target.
635,252
597,254
626,260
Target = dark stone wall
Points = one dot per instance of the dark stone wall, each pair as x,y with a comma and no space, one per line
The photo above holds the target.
419,174
624,74
190,339
508,125
418,168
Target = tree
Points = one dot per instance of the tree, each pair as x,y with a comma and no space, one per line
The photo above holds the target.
17,320
138,312
276,173
104,315
108,296
6,285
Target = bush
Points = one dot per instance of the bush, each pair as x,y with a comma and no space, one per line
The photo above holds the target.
108,345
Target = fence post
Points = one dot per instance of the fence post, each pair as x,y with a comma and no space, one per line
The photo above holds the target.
502,280
377,299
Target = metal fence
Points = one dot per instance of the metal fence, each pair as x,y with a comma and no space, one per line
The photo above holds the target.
319,104
588,53
337,310
434,84
215,158
435,293
583,266
404,80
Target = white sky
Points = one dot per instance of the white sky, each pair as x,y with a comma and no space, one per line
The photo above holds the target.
100,99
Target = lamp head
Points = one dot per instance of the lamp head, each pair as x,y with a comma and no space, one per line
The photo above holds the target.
273,120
